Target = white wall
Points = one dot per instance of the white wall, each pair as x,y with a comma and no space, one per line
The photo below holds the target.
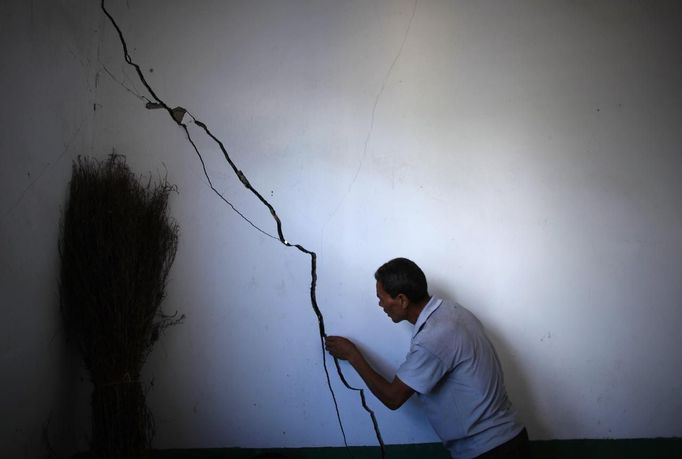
48,90
526,155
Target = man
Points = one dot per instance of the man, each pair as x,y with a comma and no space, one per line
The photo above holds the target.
451,365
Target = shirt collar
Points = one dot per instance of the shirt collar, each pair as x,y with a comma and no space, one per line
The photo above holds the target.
431,306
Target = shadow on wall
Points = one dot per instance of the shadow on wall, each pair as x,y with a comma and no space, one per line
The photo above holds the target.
517,386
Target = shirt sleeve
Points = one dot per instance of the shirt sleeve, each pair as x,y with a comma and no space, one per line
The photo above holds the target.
421,369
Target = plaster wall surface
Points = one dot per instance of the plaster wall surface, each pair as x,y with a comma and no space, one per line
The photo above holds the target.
526,155
48,86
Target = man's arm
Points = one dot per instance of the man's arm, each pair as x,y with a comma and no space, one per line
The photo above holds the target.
392,394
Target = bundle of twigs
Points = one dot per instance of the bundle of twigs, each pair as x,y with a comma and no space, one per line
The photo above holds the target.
116,246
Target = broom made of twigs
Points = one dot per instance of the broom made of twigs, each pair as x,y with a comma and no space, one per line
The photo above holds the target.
116,246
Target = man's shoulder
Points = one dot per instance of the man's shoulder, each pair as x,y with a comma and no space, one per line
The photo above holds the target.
453,314
449,314
441,323
450,324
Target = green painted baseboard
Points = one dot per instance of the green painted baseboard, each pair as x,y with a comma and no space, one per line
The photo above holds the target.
648,448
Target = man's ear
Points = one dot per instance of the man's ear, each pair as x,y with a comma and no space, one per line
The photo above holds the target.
404,300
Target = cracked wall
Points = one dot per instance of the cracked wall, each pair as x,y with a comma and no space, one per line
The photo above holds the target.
526,156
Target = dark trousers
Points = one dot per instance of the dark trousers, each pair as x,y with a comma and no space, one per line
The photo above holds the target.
516,448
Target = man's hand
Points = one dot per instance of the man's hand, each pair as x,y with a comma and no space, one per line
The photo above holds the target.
340,347
392,394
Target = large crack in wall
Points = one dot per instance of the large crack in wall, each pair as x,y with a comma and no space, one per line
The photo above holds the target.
178,114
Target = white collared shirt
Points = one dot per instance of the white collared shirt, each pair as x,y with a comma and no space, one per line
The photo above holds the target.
453,367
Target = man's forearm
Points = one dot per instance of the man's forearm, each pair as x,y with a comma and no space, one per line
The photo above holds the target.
383,390
392,394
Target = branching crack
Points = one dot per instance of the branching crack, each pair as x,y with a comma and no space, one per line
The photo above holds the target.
46,167
377,98
111,75
177,114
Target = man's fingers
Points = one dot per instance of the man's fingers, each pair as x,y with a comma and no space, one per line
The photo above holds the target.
336,346
331,340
